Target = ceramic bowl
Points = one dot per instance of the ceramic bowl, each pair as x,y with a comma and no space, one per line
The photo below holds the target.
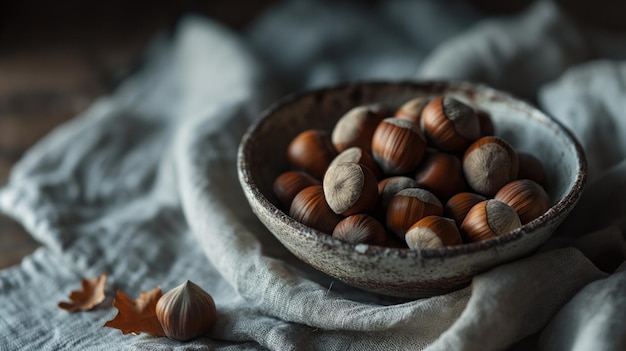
403,272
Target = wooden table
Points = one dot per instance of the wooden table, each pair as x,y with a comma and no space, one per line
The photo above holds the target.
57,57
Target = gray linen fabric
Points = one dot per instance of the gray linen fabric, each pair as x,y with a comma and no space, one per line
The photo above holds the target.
143,186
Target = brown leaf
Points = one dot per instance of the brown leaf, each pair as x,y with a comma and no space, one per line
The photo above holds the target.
92,294
139,315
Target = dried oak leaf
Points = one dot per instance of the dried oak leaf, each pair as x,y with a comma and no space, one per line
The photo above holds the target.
90,296
137,316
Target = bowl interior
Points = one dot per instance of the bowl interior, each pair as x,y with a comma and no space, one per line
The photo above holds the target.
526,128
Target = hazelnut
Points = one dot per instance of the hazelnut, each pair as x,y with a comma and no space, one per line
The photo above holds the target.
356,127
350,188
387,188
449,124
526,197
309,207
186,312
432,232
409,206
358,155
459,205
288,185
530,168
398,146
489,219
485,123
390,186
312,152
488,164
412,110
360,228
441,174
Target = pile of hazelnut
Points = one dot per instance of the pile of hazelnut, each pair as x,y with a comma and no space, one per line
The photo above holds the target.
433,175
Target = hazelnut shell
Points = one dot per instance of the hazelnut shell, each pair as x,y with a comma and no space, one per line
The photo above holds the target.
312,152
412,110
350,188
309,207
288,184
409,206
485,123
398,146
449,124
356,127
186,312
433,232
360,228
489,219
488,164
526,197
459,205
440,173
358,155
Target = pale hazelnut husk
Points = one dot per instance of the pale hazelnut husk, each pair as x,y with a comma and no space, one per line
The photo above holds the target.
531,168
309,207
433,232
356,127
311,151
441,174
449,124
288,184
350,188
489,219
361,228
526,197
186,312
488,164
459,205
398,146
409,206
412,110
358,155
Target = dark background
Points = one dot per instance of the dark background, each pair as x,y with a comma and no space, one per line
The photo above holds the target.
56,57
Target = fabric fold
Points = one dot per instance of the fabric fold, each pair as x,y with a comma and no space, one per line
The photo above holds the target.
593,319
143,185
519,54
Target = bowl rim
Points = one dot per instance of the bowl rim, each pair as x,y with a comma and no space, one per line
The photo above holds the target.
552,214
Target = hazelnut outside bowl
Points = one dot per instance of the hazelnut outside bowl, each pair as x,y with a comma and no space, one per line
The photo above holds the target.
394,271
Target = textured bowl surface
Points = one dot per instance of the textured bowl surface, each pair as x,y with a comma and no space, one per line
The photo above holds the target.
402,272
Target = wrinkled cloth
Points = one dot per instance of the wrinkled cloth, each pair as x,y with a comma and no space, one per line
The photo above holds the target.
143,185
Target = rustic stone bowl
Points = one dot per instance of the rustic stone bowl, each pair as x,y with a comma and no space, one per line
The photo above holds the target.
393,271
